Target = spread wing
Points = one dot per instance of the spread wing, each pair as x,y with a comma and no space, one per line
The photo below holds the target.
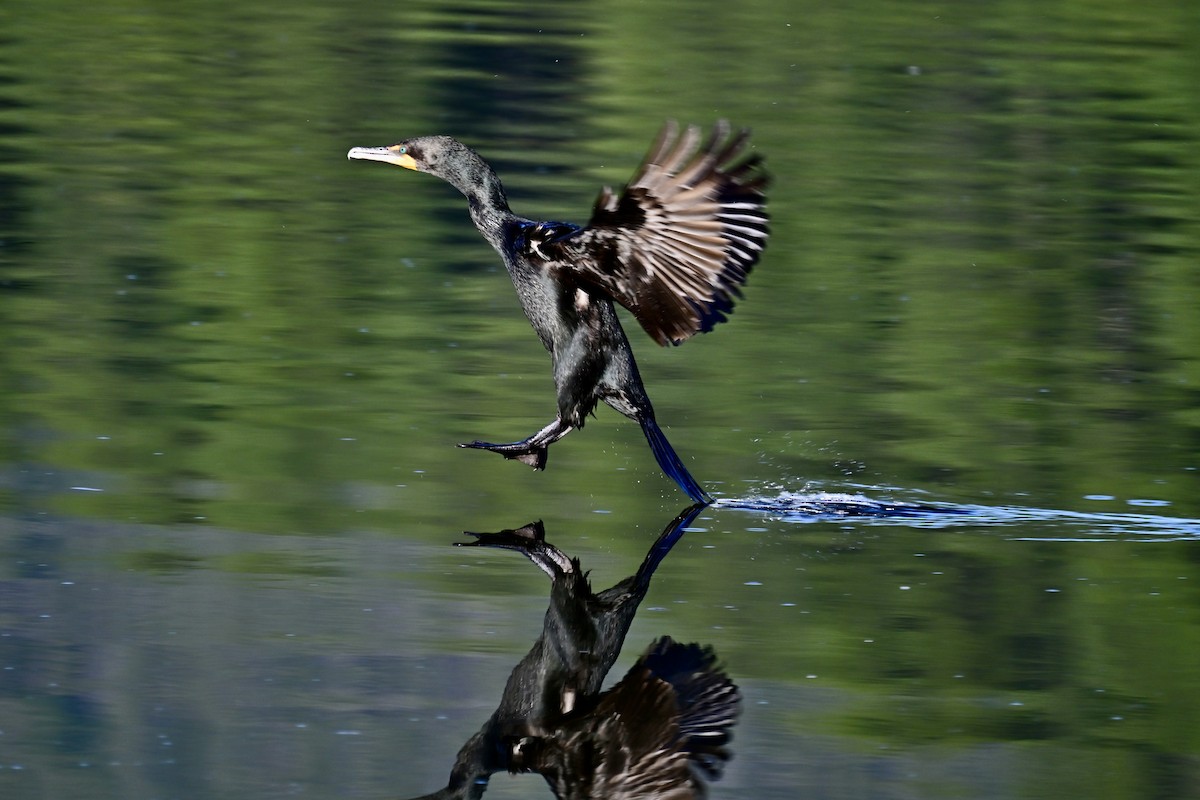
677,244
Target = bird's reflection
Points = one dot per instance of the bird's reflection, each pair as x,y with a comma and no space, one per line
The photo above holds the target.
659,733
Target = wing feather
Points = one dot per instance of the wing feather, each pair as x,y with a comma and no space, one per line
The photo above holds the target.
675,246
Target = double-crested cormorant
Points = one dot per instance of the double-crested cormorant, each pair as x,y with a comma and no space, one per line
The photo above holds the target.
674,247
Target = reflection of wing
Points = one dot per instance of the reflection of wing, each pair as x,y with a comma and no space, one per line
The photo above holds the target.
636,742
626,747
677,244
655,734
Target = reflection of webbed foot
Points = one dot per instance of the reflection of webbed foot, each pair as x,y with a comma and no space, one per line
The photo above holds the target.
525,539
524,452
529,540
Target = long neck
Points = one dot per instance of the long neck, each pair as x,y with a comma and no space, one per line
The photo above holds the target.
485,195
489,211
473,765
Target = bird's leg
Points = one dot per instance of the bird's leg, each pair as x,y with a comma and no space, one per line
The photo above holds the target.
531,451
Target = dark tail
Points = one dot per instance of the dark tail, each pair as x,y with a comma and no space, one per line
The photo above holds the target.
668,459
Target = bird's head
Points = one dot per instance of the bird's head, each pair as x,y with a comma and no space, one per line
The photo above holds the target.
445,157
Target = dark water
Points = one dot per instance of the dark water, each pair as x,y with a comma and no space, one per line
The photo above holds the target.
952,426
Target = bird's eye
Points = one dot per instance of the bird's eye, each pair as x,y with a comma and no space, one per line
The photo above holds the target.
401,150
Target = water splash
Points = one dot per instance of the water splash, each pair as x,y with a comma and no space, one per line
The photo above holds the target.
824,506
1037,524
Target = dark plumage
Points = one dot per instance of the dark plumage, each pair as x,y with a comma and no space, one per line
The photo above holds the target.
659,733
674,247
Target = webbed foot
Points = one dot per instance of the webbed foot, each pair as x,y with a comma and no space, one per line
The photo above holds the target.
524,452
